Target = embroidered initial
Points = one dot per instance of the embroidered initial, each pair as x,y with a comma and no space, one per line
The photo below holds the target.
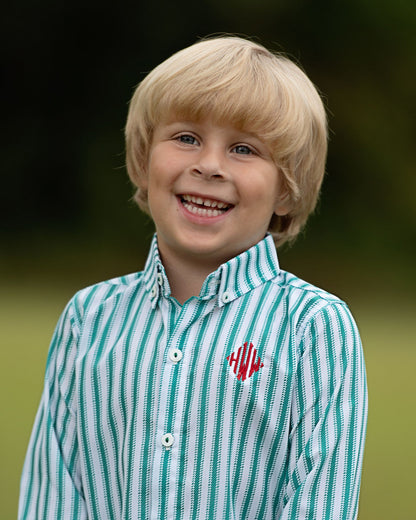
245,366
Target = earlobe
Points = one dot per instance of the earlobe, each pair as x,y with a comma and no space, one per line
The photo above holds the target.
144,184
282,206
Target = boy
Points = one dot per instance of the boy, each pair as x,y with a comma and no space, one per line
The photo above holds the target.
212,385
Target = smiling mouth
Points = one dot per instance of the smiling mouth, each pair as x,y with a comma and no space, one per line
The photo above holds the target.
204,207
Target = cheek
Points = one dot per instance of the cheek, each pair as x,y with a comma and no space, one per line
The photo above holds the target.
155,178
261,191
162,172
160,189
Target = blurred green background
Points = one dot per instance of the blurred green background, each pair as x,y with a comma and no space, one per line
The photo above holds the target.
68,72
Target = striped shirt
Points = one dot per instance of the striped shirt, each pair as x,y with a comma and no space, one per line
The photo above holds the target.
247,402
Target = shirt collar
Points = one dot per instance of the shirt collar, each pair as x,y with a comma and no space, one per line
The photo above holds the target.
231,280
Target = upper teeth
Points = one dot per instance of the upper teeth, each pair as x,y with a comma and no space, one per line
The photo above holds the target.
205,202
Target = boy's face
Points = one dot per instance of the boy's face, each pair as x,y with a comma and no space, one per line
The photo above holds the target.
212,190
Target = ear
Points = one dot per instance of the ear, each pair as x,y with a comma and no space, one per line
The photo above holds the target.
143,181
283,204
143,175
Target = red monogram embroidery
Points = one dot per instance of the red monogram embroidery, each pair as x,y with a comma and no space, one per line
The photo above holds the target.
245,366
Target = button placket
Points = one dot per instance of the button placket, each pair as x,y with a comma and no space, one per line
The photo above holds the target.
171,401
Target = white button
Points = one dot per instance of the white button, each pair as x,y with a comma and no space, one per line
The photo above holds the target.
167,440
153,292
160,279
225,297
175,355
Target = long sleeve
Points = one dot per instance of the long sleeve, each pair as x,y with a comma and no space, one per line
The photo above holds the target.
51,483
329,415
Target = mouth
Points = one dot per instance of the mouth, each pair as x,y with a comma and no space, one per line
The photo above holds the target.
204,207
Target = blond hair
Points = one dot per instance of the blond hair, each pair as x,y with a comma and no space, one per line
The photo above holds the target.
233,80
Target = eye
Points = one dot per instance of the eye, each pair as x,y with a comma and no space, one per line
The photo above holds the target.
243,149
186,139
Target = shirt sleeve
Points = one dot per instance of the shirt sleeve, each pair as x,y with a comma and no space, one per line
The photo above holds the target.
329,414
51,482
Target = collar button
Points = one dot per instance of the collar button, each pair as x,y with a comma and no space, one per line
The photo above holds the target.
225,297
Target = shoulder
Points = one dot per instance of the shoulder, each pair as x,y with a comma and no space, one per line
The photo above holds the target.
305,293
91,310
104,294
309,305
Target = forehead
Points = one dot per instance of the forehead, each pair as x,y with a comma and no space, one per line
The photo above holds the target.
202,120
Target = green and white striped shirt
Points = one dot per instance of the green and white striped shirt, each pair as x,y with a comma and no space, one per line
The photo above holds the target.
247,402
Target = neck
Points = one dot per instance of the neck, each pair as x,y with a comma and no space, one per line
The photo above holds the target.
185,276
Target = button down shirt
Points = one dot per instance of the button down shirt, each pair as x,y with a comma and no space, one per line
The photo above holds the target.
247,402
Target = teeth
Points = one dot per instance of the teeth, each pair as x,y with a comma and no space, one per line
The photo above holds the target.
205,202
202,212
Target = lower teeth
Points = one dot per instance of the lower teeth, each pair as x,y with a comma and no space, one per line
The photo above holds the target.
202,211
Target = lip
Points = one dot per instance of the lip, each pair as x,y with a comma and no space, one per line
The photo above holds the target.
203,219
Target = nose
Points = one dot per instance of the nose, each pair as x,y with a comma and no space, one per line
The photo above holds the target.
209,164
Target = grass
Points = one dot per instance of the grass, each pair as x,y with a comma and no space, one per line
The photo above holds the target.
390,457
28,315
